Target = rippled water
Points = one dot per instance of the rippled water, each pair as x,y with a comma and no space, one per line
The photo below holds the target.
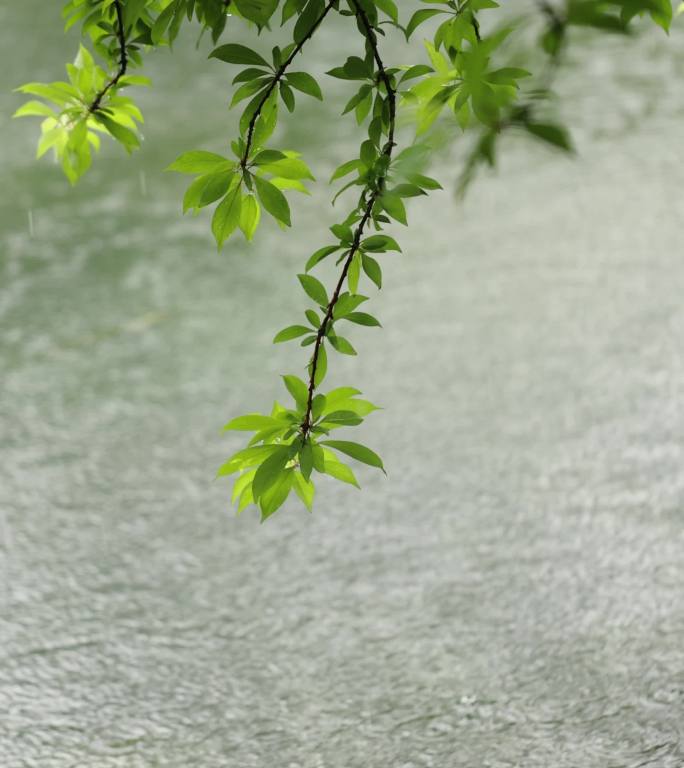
513,595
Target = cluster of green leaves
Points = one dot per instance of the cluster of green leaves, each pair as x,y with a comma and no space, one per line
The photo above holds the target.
466,81
89,103
257,177
242,191
300,448
615,15
468,76
278,459
71,127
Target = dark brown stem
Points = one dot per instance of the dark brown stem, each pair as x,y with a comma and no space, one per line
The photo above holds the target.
276,80
374,194
123,59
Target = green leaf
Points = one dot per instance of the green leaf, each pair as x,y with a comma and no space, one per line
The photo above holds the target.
288,168
258,11
267,156
308,18
419,17
248,457
355,405
346,168
233,53
507,75
343,232
360,96
241,483
123,135
341,345
314,289
341,419
372,269
320,254
354,273
250,215
199,161
306,460
267,121
347,303
206,189
287,95
34,108
339,471
305,83
389,7
291,332
394,205
321,365
362,318
247,90
140,80
299,391
424,182
305,490
283,184
593,14
57,92
312,317
356,451
368,153
162,22
357,68
408,190
271,500
380,244
417,70
246,497
132,10
556,135
227,216
339,395
317,406
270,470
273,200
252,422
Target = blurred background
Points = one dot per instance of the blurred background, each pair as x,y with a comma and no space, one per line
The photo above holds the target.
513,593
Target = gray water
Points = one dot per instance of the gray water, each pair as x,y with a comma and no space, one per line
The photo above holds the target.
513,594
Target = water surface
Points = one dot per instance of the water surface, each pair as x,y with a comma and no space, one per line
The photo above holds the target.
513,595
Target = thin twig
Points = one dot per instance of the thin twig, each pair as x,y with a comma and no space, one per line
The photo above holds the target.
367,212
123,59
276,80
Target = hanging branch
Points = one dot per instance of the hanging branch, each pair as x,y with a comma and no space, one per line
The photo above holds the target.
123,59
374,193
291,442
282,69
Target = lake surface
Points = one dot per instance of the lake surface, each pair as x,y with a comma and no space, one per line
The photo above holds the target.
513,594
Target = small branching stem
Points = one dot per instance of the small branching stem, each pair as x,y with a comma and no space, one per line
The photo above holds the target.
372,196
322,330
123,59
280,72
